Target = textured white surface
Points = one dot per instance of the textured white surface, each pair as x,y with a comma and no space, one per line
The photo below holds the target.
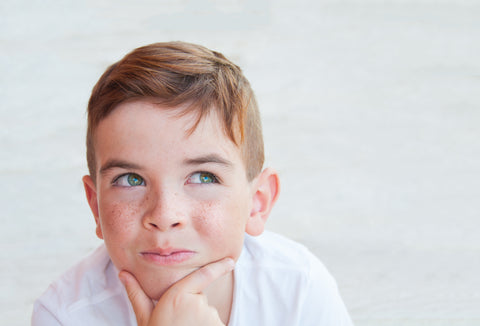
371,114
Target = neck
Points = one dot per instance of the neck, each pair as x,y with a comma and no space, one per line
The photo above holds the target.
220,296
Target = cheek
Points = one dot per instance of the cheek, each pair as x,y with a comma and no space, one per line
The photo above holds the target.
118,219
222,224
208,221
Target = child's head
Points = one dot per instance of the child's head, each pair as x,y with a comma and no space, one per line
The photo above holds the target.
178,73
175,155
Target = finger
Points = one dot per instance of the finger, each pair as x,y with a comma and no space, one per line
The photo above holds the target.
199,280
141,303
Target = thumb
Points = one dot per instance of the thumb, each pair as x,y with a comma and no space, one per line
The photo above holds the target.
141,303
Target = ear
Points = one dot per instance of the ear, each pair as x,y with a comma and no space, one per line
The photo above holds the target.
91,193
265,195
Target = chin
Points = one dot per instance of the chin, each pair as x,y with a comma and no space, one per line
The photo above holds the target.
156,294
155,286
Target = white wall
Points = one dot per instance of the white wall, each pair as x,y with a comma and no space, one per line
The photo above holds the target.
371,115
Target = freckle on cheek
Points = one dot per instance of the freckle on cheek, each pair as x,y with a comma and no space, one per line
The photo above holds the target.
121,217
209,221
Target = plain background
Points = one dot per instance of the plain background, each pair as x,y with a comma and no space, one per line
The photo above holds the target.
371,116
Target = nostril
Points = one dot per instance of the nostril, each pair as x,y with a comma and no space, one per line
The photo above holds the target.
163,227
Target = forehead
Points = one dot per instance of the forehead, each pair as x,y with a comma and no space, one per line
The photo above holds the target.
142,125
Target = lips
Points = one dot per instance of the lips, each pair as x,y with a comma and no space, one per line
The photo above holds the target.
167,256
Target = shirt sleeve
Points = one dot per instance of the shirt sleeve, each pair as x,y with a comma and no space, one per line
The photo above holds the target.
322,304
41,316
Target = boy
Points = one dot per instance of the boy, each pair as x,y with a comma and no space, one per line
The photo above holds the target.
177,190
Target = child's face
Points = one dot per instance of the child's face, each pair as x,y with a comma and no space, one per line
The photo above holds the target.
165,202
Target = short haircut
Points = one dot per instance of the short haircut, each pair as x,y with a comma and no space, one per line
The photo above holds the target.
179,73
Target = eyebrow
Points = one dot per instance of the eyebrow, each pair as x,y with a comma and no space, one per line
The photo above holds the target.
115,163
210,158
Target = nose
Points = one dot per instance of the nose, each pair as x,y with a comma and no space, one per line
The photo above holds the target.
165,212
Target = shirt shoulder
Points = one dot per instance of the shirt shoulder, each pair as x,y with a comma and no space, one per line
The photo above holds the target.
274,251
280,282
87,292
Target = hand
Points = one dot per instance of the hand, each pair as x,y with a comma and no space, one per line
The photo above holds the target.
183,303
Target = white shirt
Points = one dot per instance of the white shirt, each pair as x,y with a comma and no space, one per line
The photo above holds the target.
277,282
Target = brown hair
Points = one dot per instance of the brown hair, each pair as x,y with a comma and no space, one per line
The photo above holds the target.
176,73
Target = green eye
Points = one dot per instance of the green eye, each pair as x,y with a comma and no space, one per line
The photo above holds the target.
129,180
134,180
202,178
206,178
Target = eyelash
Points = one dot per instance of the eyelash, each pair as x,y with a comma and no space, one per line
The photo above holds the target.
215,180
137,176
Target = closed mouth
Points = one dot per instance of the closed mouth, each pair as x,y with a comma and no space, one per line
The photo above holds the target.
167,256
